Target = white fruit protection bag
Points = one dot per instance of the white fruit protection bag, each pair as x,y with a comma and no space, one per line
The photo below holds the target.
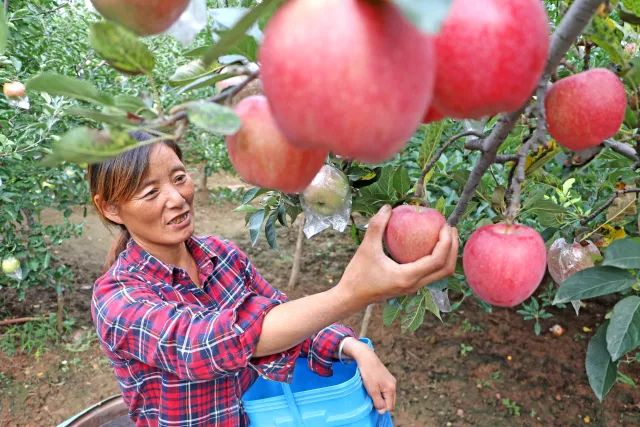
565,259
191,22
318,219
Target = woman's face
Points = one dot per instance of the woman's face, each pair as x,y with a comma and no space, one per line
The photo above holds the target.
161,211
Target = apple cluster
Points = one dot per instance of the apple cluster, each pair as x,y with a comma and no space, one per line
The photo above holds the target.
355,78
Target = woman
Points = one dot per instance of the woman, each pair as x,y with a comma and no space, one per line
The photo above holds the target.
188,323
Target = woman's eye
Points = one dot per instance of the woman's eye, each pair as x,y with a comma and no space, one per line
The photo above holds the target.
149,194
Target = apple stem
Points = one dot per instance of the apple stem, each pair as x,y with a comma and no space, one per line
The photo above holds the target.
573,23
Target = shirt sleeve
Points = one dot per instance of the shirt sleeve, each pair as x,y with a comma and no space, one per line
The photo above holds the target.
187,340
321,349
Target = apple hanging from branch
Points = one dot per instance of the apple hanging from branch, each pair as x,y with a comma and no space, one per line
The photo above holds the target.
261,154
143,17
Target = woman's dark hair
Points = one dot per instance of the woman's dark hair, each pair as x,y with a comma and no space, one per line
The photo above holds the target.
116,181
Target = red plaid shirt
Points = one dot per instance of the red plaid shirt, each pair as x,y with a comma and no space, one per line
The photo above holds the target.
183,354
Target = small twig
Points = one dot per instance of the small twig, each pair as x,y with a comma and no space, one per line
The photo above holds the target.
229,94
587,56
18,320
608,203
419,192
569,66
538,136
178,113
518,179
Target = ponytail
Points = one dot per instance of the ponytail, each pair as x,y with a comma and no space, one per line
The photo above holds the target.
119,245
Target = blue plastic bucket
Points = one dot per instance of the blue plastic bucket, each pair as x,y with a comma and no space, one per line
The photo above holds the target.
313,401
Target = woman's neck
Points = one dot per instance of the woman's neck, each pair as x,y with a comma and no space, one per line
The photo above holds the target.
177,255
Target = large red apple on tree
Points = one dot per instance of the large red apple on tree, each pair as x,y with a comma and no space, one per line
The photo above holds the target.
585,109
412,232
504,264
490,56
261,154
352,76
144,17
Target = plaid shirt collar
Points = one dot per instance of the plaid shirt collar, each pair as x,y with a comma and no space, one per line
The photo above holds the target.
139,260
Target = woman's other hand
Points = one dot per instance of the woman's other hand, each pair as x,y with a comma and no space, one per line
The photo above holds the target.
378,381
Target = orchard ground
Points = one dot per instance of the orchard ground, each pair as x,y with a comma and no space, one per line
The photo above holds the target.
473,369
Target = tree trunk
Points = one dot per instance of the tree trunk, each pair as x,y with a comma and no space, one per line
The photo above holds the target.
203,178
297,257
364,328
60,312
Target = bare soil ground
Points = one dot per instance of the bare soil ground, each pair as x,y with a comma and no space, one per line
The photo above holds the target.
473,369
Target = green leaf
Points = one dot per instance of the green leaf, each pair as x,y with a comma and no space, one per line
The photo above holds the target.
214,118
282,214
632,6
270,230
373,196
255,224
194,71
623,333
208,79
100,117
632,75
549,213
594,282
624,253
249,195
121,48
601,370
392,311
59,85
229,38
605,33
630,11
414,313
401,181
4,31
246,209
430,304
427,16
130,104
86,145
441,205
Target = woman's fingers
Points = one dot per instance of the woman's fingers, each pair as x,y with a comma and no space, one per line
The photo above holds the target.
376,226
434,262
379,401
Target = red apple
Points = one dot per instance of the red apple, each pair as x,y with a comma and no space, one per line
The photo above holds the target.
13,90
261,154
585,109
490,56
412,232
504,264
350,76
433,115
144,17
